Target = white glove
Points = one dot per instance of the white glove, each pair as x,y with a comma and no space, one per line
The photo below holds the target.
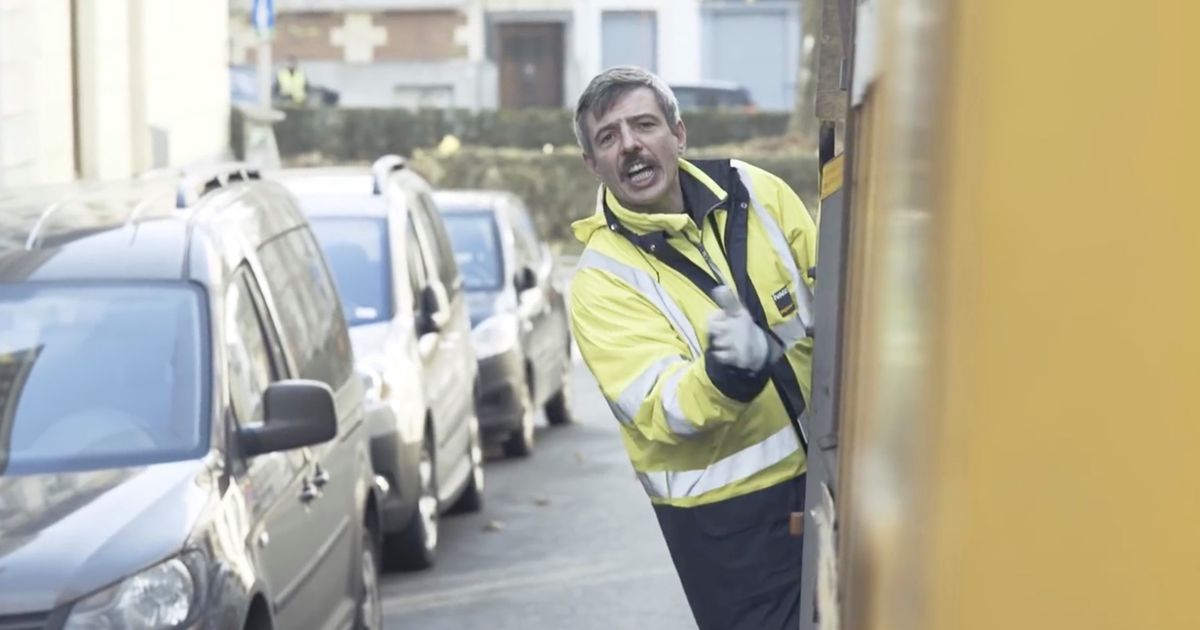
734,338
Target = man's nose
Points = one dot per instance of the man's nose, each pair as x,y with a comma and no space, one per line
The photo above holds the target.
629,142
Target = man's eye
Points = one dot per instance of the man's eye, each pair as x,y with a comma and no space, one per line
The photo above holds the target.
606,139
647,124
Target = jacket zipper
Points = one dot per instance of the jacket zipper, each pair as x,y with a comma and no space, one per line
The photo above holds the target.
712,265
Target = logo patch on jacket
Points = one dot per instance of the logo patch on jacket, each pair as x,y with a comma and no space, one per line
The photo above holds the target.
784,301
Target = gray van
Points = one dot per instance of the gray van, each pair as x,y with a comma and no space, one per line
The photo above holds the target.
182,437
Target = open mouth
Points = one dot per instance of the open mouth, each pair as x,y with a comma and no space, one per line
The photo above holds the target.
639,173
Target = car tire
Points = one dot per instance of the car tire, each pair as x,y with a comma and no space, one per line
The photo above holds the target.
520,441
558,408
415,547
258,618
369,609
471,499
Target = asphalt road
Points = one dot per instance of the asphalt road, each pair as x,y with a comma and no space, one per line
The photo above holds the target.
566,540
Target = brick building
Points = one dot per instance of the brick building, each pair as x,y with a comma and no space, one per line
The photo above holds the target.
525,53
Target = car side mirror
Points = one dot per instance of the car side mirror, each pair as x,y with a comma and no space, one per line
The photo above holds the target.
296,413
526,279
431,314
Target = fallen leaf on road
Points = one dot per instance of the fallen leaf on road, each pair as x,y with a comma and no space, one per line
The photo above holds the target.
493,526
541,501
578,457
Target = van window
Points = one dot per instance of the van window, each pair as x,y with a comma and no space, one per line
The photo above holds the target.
417,275
252,357
307,307
477,249
429,222
529,250
246,347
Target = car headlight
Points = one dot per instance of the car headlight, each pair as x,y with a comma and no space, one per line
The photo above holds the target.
375,386
495,335
163,596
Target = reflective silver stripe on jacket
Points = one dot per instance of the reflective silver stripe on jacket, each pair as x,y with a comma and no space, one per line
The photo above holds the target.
676,420
804,298
790,330
740,465
650,289
626,406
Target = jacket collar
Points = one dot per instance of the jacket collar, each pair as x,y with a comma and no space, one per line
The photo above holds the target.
701,194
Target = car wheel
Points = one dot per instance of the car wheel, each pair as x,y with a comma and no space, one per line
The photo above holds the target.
416,546
558,408
369,615
520,442
472,497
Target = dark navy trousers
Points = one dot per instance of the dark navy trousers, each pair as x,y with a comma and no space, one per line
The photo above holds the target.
739,565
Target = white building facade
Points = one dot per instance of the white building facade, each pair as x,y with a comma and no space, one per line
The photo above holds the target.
102,90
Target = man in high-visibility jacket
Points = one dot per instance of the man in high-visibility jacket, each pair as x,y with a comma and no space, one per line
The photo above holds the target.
291,83
691,306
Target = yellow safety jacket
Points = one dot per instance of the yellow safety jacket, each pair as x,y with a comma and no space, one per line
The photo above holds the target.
292,85
698,432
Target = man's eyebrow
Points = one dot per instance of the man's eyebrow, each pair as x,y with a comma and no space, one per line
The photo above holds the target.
600,130
632,119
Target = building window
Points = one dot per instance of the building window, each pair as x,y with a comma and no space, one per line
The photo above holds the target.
630,38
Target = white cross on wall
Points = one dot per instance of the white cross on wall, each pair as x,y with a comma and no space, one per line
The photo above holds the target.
358,38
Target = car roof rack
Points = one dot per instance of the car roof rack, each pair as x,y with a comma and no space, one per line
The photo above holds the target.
384,166
196,183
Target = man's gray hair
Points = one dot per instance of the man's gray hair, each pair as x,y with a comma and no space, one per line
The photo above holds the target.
608,86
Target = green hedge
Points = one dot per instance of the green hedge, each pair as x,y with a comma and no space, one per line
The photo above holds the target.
558,187
350,134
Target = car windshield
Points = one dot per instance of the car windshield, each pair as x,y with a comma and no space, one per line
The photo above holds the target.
476,245
100,376
357,251
696,98
688,98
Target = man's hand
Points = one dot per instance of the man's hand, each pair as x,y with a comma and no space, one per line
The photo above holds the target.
734,338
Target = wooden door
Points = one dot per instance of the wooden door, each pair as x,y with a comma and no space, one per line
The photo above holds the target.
531,65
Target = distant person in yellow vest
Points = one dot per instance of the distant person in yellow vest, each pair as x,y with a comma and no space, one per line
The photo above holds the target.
291,84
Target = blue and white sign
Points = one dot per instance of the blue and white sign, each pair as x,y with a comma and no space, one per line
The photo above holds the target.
262,15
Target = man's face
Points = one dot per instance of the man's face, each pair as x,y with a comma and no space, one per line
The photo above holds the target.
635,152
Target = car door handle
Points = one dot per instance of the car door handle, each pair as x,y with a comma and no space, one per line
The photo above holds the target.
320,477
309,492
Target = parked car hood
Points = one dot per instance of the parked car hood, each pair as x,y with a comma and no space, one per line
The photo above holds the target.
370,340
483,304
65,535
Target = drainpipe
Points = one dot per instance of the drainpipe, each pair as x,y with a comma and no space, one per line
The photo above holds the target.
139,128
76,109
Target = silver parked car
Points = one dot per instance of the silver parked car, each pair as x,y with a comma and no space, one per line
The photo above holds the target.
402,295
518,314
182,435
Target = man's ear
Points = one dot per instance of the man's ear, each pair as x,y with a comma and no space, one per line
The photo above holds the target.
680,134
590,160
